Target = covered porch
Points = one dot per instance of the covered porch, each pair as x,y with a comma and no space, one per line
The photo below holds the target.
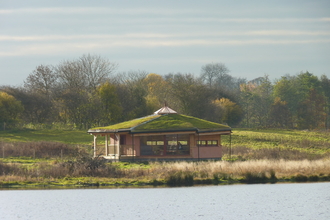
158,146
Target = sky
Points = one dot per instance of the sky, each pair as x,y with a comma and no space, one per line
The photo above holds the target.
252,38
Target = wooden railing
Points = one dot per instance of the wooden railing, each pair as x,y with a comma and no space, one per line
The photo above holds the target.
126,150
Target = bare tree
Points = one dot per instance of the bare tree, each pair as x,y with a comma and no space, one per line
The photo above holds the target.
212,72
88,72
70,77
42,80
96,70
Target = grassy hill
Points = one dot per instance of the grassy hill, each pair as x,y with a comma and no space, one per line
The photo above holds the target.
245,143
277,144
62,136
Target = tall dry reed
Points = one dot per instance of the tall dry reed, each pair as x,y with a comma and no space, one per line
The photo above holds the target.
282,168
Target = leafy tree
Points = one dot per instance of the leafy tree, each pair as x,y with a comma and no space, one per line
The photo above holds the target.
299,92
264,91
10,108
158,91
247,103
80,108
38,108
230,112
279,115
256,98
190,95
311,113
325,84
132,94
111,109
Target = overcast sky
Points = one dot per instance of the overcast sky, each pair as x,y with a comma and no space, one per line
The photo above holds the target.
252,38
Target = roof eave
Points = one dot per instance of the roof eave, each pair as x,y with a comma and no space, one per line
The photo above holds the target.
107,130
213,130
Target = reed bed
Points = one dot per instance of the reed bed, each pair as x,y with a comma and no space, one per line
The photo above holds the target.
238,169
172,173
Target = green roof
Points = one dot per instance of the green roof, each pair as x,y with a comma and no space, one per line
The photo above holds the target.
166,122
127,124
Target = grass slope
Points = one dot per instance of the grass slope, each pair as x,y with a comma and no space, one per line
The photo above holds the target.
28,135
246,143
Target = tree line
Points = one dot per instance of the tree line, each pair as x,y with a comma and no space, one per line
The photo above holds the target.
88,92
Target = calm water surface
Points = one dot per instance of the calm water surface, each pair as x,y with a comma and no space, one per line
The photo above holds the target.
276,201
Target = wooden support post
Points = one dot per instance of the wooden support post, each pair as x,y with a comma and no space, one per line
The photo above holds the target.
133,150
95,144
106,145
118,147
230,148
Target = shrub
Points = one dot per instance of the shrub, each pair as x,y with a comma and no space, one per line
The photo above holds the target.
180,178
313,178
300,178
6,169
250,177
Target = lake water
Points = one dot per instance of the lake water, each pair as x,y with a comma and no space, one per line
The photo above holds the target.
259,201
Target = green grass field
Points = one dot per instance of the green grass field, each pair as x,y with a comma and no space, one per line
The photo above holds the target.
308,142
288,144
64,136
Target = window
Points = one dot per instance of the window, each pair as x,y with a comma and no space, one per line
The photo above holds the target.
207,143
201,143
151,143
165,145
155,143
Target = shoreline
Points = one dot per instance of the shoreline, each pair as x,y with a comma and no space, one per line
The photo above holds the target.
135,183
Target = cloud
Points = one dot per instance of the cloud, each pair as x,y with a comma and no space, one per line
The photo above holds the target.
95,42
189,14
98,10
184,38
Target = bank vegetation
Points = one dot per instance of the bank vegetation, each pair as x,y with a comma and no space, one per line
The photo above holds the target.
252,156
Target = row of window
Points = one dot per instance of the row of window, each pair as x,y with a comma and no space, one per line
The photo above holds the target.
207,143
152,143
200,143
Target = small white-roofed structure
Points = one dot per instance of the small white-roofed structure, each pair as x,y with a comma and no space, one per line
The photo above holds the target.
165,110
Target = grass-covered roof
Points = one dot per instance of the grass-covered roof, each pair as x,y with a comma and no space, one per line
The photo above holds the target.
127,124
166,122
